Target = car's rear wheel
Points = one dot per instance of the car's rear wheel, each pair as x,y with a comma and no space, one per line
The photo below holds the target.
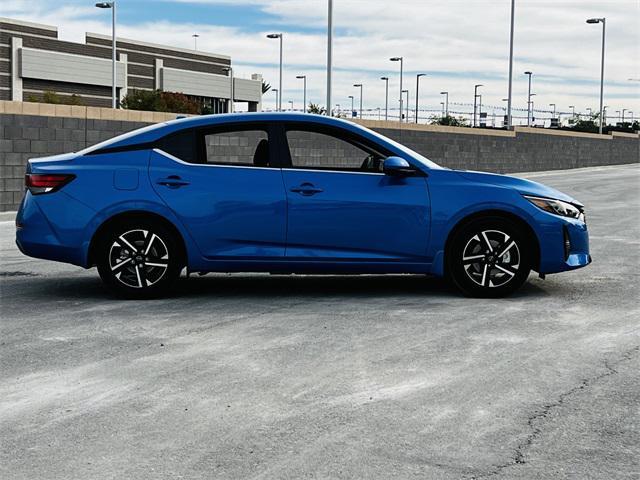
489,257
138,258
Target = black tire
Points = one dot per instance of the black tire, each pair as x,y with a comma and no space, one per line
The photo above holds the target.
489,257
148,272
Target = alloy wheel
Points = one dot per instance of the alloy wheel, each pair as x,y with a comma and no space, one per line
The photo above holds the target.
138,258
491,258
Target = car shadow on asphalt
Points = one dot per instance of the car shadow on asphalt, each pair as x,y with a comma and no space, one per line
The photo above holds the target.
265,286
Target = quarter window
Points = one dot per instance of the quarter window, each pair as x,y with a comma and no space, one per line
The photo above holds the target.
324,151
238,147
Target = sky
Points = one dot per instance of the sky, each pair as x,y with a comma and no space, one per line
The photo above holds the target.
456,43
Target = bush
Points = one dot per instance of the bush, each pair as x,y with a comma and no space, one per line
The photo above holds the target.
49,96
159,101
449,120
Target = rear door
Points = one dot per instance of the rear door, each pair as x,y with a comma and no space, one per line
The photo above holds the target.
340,204
225,185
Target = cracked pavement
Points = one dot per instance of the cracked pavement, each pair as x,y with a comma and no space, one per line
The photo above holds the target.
258,376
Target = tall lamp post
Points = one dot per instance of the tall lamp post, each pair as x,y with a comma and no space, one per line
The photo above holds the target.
277,97
232,89
475,99
573,111
401,60
406,105
623,110
279,36
446,102
351,97
291,105
359,85
554,110
513,7
529,99
386,97
329,54
417,91
112,6
304,92
603,21
195,41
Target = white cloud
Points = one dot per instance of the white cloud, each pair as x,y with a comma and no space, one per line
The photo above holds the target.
457,43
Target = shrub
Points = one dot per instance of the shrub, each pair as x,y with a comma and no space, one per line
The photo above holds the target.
159,101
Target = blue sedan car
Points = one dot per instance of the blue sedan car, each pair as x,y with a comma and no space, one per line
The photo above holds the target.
289,193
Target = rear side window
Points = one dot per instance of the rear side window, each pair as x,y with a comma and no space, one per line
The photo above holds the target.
237,147
182,145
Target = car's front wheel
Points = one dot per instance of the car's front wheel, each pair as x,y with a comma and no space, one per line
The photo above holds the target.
138,258
489,257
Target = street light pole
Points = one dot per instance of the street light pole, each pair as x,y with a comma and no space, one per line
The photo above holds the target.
603,21
401,60
513,7
232,92
446,101
351,97
554,110
386,98
304,92
475,98
329,54
573,111
623,110
529,99
112,6
359,85
277,97
195,41
279,36
417,91
407,105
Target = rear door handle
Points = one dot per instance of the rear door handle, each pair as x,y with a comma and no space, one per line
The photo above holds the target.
172,181
306,189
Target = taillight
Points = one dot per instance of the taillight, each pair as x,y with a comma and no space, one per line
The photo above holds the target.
38,183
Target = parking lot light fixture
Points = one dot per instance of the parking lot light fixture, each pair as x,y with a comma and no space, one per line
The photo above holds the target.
351,97
304,91
386,97
279,36
232,92
604,22
573,110
417,91
401,60
406,105
529,99
475,99
359,85
446,102
112,6
275,90
195,41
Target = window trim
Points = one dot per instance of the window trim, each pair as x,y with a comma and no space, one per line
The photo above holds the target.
201,153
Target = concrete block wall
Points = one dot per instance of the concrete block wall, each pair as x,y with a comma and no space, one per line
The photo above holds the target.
37,130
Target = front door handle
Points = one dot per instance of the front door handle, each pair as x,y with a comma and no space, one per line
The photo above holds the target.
172,181
306,189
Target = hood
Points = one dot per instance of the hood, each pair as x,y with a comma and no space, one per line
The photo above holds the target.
521,185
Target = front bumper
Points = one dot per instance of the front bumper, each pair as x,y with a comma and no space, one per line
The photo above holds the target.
564,244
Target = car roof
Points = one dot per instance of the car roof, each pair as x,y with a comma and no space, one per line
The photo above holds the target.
152,133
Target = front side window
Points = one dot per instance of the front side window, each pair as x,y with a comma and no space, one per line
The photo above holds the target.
325,151
237,147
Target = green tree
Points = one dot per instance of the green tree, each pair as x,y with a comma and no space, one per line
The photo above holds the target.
448,120
159,101
265,87
317,109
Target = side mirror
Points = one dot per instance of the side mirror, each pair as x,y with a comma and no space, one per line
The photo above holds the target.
397,166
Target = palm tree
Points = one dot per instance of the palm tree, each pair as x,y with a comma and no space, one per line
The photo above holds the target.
265,87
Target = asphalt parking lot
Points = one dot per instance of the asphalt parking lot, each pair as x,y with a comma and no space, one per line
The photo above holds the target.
258,376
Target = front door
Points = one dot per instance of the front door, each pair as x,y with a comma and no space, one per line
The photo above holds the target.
342,207
222,185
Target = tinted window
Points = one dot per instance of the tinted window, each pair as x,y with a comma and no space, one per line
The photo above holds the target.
324,150
238,147
182,145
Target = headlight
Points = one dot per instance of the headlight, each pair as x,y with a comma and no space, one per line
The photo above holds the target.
557,207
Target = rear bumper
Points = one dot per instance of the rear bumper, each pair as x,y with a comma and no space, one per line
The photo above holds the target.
36,235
